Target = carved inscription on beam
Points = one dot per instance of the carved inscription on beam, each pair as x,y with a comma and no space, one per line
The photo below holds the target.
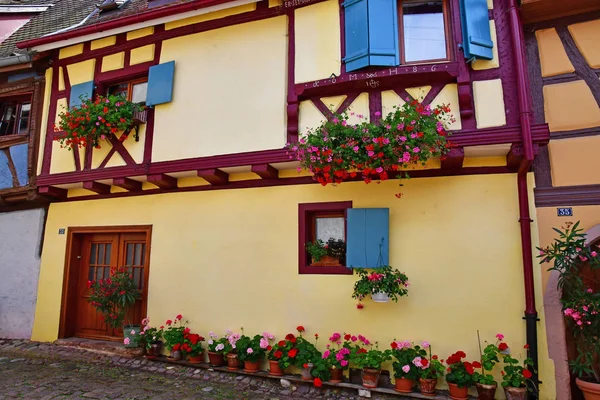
96,187
214,176
163,181
265,171
128,184
51,191
453,159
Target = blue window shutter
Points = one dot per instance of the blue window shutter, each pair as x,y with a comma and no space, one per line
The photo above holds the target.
477,38
6,179
383,33
371,31
356,21
19,158
160,83
77,91
367,237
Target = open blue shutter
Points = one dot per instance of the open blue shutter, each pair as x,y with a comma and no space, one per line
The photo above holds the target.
6,179
367,237
84,90
477,38
19,158
160,83
371,33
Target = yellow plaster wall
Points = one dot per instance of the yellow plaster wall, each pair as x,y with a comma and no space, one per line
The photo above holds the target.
113,61
569,106
333,102
210,16
70,51
484,162
586,35
495,61
575,161
261,224
317,32
142,54
140,33
489,103
389,99
553,57
61,79
275,3
104,42
62,159
81,72
418,93
309,116
449,95
44,121
229,93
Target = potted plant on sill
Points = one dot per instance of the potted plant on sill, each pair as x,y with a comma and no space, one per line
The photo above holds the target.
252,350
337,355
307,354
410,359
433,370
337,151
151,339
174,335
573,258
332,253
369,359
230,351
97,119
280,356
515,377
113,297
382,284
192,347
216,348
484,382
460,375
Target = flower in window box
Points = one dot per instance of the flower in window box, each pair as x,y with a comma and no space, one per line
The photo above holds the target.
332,253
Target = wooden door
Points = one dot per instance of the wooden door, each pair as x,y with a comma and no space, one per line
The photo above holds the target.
101,253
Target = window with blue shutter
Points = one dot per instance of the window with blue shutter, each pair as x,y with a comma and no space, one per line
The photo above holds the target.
477,38
79,91
160,83
371,33
367,237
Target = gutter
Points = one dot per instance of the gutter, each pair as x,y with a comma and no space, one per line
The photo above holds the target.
14,60
525,115
121,22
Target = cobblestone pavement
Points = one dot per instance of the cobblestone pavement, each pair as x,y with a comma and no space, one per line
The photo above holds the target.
31,370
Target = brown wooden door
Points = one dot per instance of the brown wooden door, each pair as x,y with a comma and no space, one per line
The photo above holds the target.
101,253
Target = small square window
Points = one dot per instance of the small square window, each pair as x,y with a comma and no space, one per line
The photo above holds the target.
424,30
322,231
134,91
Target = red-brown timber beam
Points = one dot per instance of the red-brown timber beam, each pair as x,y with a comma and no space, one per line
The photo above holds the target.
265,171
96,187
163,181
214,176
128,184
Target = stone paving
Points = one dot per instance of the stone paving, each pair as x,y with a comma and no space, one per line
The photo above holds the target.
30,370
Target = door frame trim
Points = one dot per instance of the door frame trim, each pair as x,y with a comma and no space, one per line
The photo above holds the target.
66,327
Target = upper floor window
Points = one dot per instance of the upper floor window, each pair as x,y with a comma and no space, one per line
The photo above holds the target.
134,90
14,117
424,33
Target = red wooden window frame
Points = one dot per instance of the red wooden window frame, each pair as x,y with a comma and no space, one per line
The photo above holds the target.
307,213
130,84
17,103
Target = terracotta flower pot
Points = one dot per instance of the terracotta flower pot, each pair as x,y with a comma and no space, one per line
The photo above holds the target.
513,393
404,385
591,391
325,261
196,359
251,366
428,386
337,375
216,359
175,355
370,377
486,392
458,393
274,368
306,375
154,351
233,362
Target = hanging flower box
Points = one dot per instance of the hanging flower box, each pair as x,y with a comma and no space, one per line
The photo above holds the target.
98,119
338,151
325,261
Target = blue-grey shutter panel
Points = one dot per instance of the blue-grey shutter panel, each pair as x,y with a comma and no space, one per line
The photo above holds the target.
78,91
160,83
19,158
6,179
367,237
371,33
477,38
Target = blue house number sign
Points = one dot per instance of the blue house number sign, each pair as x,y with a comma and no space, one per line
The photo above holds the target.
564,211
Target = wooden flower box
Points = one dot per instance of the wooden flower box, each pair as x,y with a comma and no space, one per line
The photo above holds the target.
140,117
326,261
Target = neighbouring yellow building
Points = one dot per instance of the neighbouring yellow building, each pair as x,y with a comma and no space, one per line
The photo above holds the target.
205,205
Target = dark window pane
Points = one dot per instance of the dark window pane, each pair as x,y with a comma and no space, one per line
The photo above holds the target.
142,278
424,31
99,273
7,121
93,253
90,273
24,118
143,254
101,254
136,276
137,260
107,254
129,259
118,89
106,272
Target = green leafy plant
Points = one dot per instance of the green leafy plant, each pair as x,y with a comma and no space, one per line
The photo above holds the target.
515,374
192,343
385,280
337,150
571,257
215,343
307,352
316,249
250,349
434,367
364,355
410,359
174,333
114,296
461,372
150,334
320,370
335,248
337,354
489,358
94,120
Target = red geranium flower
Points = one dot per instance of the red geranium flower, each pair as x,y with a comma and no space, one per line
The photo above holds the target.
394,345
476,364
178,317
289,336
526,346
300,328
281,343
360,306
169,322
461,354
360,351
527,374
502,346
435,357
277,354
305,365
269,348
317,382
424,362
186,331
292,353
347,336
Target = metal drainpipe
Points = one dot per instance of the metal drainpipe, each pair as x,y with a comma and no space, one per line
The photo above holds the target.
525,115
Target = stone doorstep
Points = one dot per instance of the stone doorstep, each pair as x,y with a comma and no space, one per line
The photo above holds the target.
100,347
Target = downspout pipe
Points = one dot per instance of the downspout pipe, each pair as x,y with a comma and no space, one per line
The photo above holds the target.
525,116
